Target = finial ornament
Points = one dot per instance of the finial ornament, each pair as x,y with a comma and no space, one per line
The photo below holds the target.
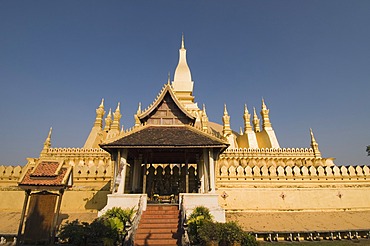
182,41
169,78
102,103
139,109
204,109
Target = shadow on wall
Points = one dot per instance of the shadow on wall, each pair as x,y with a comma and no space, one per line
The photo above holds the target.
99,199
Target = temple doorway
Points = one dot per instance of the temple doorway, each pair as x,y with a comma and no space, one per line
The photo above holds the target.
164,182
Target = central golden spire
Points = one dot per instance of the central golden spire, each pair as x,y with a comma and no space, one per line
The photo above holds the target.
182,73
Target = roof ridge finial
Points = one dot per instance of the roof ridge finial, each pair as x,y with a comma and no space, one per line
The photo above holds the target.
102,103
182,41
169,78
139,108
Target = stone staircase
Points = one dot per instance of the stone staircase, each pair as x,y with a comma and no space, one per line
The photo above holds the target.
159,225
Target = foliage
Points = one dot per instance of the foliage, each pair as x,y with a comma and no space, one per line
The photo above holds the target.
197,218
74,232
107,229
202,231
117,220
201,211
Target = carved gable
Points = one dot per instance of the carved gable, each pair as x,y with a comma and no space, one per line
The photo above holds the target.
167,113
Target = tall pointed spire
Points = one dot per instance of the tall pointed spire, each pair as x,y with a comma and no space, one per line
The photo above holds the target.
265,116
247,119
226,121
256,121
314,145
99,115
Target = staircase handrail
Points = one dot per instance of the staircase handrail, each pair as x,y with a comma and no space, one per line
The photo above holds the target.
129,240
183,223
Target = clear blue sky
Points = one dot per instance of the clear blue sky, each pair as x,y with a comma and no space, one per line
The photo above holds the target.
310,60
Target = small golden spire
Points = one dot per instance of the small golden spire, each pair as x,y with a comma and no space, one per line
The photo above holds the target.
263,104
169,78
247,119
117,117
99,115
48,139
246,109
226,121
225,110
314,145
256,121
108,120
265,115
204,119
47,144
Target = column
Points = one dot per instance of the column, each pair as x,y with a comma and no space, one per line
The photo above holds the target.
144,177
186,175
25,205
123,162
136,173
56,217
212,178
206,170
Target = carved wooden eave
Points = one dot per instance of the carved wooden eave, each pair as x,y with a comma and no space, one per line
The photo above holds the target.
166,89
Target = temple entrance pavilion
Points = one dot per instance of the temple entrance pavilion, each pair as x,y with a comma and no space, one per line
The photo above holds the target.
163,161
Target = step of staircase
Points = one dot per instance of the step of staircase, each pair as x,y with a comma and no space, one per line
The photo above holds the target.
158,226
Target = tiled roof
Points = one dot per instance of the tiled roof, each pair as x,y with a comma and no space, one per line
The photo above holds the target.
46,169
46,174
167,136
